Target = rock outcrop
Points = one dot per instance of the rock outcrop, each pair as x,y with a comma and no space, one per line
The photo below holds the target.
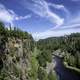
14,59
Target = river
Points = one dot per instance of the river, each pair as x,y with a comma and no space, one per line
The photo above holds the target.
63,72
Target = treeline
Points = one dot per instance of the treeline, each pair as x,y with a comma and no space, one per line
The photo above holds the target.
70,44
39,61
16,47
50,43
14,32
44,57
38,58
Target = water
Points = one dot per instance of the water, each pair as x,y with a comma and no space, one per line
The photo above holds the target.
65,73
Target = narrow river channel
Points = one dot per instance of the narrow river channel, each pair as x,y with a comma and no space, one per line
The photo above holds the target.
63,72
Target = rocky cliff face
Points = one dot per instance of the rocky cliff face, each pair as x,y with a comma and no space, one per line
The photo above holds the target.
14,59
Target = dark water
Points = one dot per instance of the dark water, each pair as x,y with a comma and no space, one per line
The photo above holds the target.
65,73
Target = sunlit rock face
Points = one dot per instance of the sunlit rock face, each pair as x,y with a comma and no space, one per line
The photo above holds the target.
15,62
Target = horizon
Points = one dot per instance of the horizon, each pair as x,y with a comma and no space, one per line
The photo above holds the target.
42,18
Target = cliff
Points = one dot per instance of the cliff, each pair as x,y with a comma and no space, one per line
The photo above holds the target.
15,59
15,51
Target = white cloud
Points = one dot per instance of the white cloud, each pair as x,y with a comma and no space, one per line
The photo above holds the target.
5,15
75,0
42,8
57,6
22,17
64,30
71,27
8,16
60,7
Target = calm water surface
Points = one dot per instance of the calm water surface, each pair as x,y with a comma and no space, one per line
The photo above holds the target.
65,73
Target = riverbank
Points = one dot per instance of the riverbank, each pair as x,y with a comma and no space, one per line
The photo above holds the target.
50,68
70,67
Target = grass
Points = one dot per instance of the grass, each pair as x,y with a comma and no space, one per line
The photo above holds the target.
34,65
36,52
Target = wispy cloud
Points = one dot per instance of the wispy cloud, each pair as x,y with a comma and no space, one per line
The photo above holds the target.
42,9
8,16
65,30
75,0
60,7
5,14
72,26
22,17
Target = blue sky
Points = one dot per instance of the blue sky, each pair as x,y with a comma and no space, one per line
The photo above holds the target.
42,18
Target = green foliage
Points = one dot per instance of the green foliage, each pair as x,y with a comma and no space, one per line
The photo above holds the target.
49,43
52,76
77,56
42,75
10,68
44,57
70,44
71,60
14,32
47,55
41,60
34,68
4,75
2,29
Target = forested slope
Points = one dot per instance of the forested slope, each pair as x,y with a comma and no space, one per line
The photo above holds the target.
16,48
19,57
69,44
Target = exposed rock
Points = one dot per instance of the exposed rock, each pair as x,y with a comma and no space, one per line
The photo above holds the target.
16,60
